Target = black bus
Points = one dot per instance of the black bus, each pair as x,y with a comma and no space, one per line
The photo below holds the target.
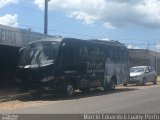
67,64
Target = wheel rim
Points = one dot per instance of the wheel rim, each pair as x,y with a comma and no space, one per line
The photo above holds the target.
70,90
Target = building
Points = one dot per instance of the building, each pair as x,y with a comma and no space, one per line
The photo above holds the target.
144,57
158,63
11,39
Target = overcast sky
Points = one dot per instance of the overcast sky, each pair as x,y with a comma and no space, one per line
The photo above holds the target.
133,22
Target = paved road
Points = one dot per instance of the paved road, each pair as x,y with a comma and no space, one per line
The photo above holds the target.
120,101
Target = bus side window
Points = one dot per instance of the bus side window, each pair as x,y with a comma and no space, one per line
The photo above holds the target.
67,54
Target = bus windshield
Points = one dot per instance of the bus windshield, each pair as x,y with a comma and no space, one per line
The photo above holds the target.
38,54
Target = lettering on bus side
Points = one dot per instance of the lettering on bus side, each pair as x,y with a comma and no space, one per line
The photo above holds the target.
94,58
93,55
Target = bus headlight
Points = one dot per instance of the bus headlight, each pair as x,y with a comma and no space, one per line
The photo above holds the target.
46,79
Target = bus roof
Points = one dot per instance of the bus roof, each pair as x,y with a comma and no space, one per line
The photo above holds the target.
95,41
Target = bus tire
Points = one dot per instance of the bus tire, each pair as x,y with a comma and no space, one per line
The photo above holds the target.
110,86
69,89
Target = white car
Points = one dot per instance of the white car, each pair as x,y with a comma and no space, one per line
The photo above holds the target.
142,75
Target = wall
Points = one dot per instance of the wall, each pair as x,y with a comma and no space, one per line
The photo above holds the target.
8,62
144,57
18,37
11,39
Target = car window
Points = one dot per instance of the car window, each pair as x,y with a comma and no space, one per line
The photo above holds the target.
147,70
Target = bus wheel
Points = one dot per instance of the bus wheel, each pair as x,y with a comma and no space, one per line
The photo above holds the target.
69,89
110,86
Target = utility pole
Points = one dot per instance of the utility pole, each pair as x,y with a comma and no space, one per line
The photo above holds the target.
156,55
46,17
149,54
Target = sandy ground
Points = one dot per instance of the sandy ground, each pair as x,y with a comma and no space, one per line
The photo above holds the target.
20,104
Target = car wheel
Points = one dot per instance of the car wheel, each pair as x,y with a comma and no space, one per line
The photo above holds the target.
144,81
69,89
155,81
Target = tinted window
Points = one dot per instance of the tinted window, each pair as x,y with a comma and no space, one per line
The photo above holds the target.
67,53
147,69
39,53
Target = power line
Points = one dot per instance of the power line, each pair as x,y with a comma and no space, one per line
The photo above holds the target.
93,36
134,44
54,30
72,33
